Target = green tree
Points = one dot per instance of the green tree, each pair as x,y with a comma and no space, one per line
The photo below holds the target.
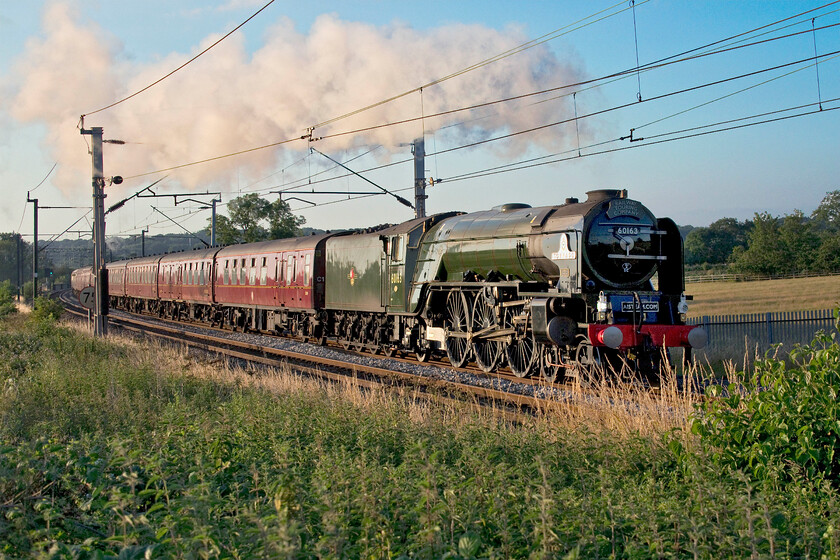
8,257
826,217
776,245
799,243
246,213
765,253
714,244
826,224
7,301
827,257
226,232
281,222
255,219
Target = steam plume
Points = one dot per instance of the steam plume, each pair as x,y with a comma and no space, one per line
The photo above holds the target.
229,99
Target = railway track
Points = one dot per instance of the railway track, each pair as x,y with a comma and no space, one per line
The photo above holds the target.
505,395
496,393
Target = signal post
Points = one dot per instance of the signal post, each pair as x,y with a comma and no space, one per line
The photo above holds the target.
100,306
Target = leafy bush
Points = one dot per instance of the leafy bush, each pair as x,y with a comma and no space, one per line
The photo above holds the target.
781,419
7,304
27,291
112,451
46,310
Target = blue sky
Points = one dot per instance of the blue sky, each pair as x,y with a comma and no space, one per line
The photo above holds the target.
298,64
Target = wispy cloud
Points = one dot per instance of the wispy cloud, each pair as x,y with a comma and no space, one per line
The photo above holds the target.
232,99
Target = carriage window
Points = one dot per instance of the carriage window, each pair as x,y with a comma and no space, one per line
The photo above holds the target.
306,269
226,278
242,272
252,272
263,273
291,271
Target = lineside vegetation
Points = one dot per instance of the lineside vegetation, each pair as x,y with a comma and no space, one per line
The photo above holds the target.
130,449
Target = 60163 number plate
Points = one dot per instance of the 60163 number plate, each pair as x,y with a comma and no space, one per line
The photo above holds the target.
648,306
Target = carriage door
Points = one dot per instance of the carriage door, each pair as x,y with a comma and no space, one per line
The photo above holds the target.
396,273
276,287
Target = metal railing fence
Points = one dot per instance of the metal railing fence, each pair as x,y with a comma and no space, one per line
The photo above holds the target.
757,332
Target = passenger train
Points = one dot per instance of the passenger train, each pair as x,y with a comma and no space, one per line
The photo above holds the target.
550,291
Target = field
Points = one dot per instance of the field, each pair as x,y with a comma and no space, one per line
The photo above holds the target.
136,450
763,296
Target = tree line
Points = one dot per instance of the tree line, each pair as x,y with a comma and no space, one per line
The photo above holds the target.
770,245
765,245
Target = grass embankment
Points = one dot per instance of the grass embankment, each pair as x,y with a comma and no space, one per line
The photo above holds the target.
130,449
763,296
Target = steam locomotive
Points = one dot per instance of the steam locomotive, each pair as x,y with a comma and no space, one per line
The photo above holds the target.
551,291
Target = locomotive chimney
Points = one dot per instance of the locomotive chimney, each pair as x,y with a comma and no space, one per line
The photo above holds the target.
604,194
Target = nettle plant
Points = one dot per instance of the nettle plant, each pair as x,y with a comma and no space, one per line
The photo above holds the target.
782,419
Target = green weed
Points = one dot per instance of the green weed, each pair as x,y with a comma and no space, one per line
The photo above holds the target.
124,450
781,418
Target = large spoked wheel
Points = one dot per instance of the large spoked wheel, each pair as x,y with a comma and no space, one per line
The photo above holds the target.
521,351
552,367
589,364
458,326
484,321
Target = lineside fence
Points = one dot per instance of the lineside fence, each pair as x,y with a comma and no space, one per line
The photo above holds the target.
731,336
691,278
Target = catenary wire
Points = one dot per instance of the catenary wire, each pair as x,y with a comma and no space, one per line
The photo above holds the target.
479,174
156,82
530,44
478,65
596,113
623,73
663,140
594,82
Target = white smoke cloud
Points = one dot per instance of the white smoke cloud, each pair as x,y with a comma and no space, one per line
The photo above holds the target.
229,100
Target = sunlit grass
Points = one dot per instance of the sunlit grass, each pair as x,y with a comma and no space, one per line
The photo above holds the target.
763,296
131,447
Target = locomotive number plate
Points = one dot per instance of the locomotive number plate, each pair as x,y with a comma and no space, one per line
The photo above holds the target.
627,230
648,306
